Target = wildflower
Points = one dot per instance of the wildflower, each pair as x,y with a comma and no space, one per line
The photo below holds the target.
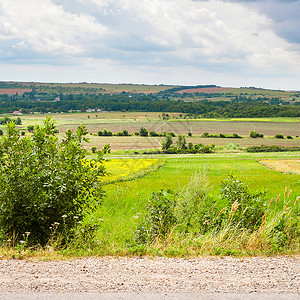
27,233
22,242
75,217
64,216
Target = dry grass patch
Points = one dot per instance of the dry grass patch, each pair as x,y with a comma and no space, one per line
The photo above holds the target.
283,165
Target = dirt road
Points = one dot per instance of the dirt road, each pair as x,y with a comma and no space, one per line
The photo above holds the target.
152,278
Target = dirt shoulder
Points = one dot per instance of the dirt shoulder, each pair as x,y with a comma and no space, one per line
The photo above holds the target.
279,275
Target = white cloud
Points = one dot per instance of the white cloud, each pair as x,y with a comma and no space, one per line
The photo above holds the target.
46,27
134,39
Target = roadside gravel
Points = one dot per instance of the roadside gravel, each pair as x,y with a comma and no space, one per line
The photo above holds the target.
212,276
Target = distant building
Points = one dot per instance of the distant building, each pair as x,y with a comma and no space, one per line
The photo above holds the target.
16,112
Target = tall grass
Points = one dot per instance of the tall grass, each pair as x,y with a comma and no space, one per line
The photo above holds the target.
200,229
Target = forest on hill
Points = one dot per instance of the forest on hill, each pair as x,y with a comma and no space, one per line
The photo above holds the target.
207,101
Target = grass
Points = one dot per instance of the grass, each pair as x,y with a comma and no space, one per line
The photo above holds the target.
126,202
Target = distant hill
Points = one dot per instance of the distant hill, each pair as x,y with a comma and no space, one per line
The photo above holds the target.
208,101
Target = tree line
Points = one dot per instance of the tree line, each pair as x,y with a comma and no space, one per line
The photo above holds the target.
160,102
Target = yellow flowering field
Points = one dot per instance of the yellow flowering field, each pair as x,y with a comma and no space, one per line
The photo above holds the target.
129,169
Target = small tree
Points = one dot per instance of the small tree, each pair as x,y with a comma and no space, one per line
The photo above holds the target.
167,142
181,142
143,131
125,132
30,128
44,182
254,134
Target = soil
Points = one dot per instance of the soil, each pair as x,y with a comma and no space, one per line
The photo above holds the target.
261,276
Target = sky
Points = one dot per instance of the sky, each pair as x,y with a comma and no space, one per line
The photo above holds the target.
232,43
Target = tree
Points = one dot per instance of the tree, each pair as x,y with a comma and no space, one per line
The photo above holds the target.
254,134
30,128
167,142
44,182
125,132
181,142
143,131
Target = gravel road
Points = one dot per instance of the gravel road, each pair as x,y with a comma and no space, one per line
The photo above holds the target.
152,278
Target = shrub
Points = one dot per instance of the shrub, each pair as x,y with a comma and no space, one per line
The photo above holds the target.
125,132
167,142
30,128
279,136
143,131
254,134
289,137
246,209
94,149
153,133
44,182
181,142
104,132
160,217
1,132
271,149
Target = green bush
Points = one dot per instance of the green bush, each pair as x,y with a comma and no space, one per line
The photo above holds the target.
279,136
104,132
254,134
263,148
247,209
44,182
160,218
143,131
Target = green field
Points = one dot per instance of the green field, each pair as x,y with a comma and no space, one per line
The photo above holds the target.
126,202
133,121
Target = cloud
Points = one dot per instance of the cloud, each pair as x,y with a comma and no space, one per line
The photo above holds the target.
46,28
150,39
283,13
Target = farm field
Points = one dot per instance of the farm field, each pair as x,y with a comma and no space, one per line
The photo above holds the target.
126,202
131,183
133,121
281,165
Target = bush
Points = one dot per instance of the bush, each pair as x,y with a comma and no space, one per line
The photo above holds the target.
271,149
254,134
160,217
44,182
289,137
246,209
104,132
279,136
166,144
30,128
153,133
143,131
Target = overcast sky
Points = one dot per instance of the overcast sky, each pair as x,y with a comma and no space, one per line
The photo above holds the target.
186,42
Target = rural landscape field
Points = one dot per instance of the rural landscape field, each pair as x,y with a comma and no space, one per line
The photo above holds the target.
149,149
222,186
